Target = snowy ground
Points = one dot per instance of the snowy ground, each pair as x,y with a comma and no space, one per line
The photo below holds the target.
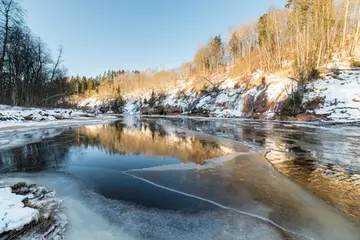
31,212
16,118
14,215
20,114
341,95
226,101
339,91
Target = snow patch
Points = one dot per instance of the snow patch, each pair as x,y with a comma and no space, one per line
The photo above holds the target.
341,94
14,215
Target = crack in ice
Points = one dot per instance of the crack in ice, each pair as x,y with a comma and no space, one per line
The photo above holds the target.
204,199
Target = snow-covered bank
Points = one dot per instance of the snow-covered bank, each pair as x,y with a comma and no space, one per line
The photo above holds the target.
20,114
333,97
30,212
339,95
21,133
15,118
17,129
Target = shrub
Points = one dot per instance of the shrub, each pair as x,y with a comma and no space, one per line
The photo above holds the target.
314,74
181,94
161,97
152,99
237,85
215,89
354,63
336,71
293,104
118,104
204,89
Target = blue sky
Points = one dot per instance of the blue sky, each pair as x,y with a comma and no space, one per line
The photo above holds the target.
98,35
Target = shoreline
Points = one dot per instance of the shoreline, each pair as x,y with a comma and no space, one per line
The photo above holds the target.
33,125
21,133
31,211
244,119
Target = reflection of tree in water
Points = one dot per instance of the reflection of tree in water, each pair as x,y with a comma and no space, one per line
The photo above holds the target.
36,156
147,138
299,164
156,129
141,138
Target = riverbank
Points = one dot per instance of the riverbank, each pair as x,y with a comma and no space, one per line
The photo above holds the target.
26,125
332,96
30,212
14,117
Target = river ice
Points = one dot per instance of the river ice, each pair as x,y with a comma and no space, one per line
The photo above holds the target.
238,196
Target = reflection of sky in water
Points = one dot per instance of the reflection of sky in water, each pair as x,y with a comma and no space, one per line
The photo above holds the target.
91,156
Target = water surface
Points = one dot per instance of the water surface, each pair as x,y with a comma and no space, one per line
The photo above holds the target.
152,179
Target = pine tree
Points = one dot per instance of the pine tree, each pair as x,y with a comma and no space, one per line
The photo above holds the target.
234,46
83,85
90,86
216,51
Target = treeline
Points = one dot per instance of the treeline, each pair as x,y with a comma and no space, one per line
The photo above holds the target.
301,37
304,34
112,83
28,74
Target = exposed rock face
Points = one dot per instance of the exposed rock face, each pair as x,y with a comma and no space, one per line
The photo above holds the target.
303,117
260,103
152,110
161,110
30,212
247,106
332,97
172,111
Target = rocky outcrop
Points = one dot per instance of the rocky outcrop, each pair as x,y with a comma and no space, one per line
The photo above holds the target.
247,105
260,100
304,117
152,111
172,111
30,212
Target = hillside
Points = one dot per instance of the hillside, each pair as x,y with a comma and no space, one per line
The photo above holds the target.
335,96
299,63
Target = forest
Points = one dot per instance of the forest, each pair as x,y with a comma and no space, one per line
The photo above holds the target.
300,37
28,74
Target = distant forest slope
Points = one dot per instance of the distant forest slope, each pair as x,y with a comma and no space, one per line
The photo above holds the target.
297,39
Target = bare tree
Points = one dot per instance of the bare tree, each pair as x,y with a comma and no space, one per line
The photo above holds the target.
12,14
345,23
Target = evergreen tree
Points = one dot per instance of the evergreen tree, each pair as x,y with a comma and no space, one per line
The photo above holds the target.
90,86
234,46
215,47
83,85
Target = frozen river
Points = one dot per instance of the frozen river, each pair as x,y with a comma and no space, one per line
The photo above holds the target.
182,178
